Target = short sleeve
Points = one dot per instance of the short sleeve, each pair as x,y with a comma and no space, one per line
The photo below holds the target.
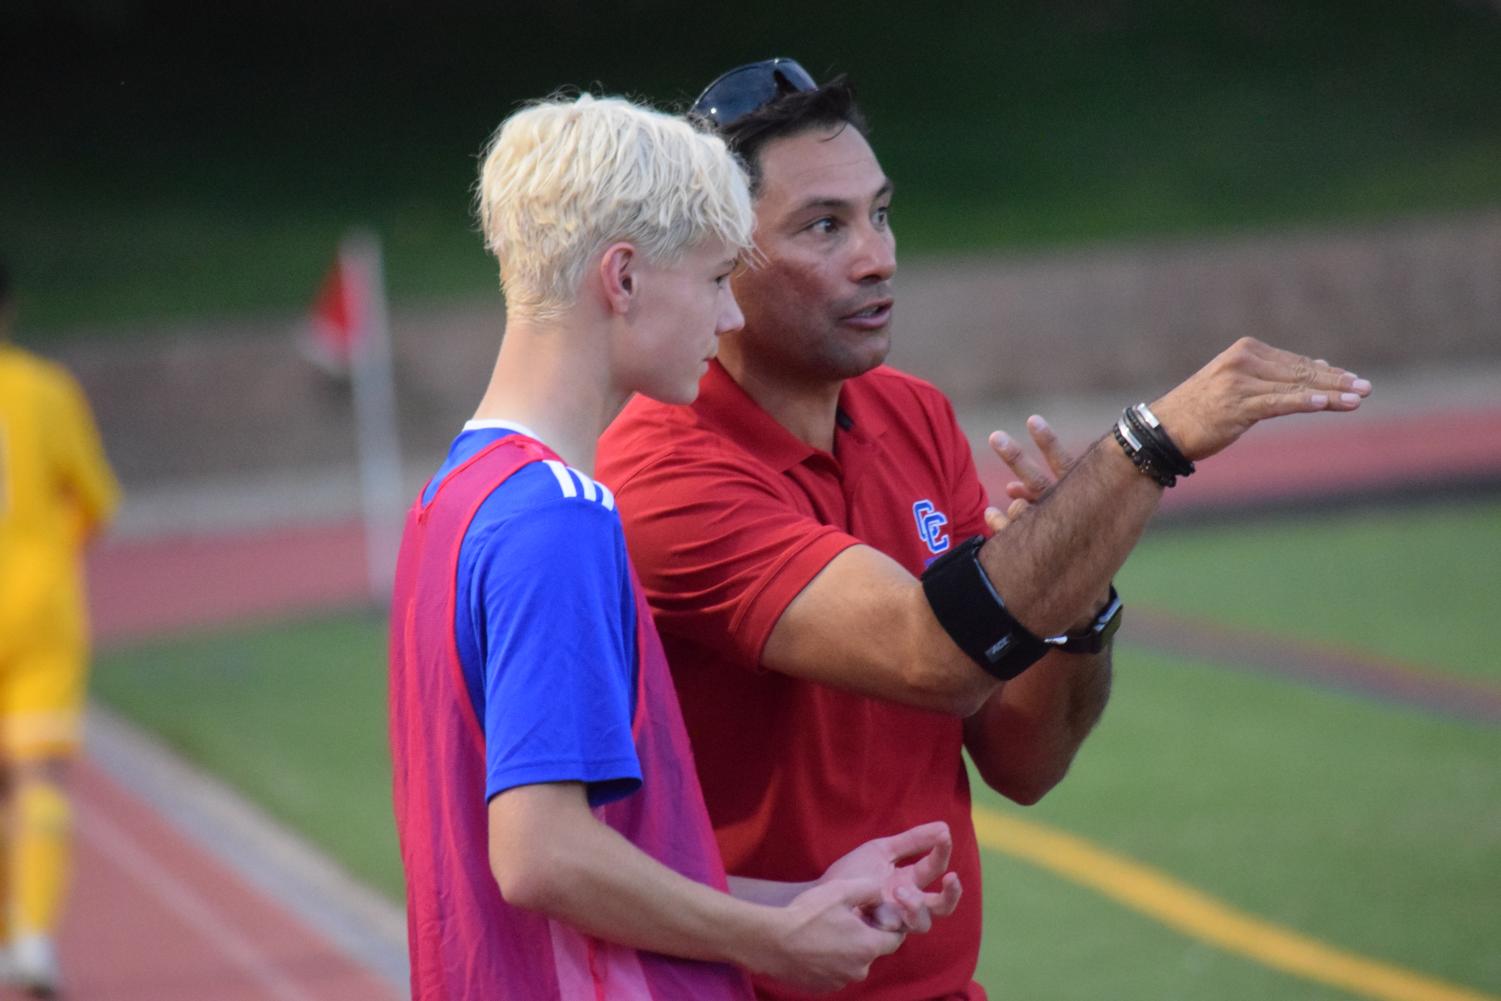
722,548
554,621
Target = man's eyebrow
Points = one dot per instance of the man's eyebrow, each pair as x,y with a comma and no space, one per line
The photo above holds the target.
817,202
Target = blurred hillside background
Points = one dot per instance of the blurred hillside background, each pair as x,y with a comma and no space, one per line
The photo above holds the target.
168,161
1119,189
1092,194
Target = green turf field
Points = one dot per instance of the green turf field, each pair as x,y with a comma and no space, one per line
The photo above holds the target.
1371,827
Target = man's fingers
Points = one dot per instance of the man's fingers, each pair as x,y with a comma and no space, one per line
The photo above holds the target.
995,519
1022,465
1059,459
1292,372
1279,404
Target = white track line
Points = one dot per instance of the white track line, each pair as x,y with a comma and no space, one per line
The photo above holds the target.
365,926
119,847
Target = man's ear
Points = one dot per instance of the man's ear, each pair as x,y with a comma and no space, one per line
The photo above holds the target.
620,277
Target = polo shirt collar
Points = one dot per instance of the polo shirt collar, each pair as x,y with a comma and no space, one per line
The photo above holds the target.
723,404
867,422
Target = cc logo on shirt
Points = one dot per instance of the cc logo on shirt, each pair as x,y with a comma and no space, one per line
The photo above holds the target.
930,522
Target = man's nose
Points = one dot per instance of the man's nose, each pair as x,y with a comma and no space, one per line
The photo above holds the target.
875,255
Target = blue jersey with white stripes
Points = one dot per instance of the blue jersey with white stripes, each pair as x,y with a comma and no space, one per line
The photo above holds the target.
545,626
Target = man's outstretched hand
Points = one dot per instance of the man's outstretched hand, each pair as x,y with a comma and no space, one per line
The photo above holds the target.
1246,383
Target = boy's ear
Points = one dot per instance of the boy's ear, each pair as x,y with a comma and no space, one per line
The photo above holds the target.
619,273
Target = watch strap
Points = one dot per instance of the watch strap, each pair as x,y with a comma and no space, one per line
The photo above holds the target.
1097,636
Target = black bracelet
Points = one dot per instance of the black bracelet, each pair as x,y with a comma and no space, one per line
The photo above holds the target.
1148,446
1151,430
1137,453
1142,434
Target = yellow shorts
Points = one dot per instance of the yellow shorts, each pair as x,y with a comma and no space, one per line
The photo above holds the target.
43,683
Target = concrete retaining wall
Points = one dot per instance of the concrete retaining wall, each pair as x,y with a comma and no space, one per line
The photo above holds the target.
238,400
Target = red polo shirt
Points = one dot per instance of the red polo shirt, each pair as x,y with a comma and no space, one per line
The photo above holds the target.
728,517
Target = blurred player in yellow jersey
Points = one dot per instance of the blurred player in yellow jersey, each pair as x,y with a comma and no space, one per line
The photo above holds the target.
56,492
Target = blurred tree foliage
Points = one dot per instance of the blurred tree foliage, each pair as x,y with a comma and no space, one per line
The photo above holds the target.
176,159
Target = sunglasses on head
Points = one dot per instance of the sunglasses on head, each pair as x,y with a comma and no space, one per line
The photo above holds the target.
745,88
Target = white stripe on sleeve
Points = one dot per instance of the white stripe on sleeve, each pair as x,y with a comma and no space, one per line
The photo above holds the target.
560,472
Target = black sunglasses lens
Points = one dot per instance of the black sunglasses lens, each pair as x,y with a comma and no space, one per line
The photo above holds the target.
746,88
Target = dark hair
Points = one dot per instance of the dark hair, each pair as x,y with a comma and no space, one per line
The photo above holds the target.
790,115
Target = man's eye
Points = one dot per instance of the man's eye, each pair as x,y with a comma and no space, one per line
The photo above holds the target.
883,215
825,225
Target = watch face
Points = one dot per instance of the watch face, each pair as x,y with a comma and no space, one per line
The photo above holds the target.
1100,632
1111,625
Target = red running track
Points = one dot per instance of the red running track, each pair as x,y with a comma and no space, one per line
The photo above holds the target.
153,917
148,587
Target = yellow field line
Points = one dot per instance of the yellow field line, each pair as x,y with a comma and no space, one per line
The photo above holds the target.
1200,916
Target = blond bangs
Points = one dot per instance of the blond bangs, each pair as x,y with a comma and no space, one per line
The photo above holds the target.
562,179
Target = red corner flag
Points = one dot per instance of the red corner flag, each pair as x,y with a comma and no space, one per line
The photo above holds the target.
338,324
347,337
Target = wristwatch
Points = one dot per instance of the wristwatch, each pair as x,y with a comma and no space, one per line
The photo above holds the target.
1097,636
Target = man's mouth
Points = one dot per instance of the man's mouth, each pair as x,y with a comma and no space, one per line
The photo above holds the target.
872,316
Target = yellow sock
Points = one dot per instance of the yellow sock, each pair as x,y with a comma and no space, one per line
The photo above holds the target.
5,880
40,857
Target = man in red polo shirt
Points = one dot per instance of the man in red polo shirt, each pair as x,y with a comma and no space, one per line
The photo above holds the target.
781,523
